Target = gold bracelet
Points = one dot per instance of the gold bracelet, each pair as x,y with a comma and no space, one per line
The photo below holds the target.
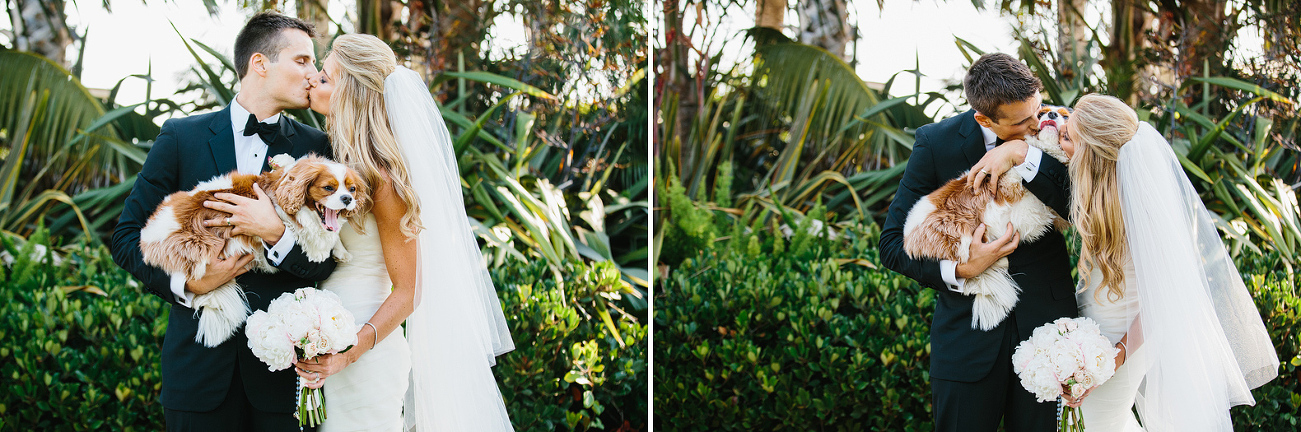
376,340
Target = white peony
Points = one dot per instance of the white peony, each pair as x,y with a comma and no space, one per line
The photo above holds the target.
1064,350
308,320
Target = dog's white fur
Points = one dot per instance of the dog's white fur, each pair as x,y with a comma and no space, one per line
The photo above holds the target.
995,292
223,310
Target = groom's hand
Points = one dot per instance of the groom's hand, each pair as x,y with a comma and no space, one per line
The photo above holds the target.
255,217
220,270
984,254
996,162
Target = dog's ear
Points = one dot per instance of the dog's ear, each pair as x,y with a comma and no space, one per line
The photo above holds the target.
293,186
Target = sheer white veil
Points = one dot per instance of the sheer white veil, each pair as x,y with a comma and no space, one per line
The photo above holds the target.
457,328
1206,343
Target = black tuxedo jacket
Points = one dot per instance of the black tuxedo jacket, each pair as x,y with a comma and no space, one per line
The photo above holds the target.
942,152
188,151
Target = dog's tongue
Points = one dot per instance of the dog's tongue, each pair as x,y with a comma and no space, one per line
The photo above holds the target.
331,220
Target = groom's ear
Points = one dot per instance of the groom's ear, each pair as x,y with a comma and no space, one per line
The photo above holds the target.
257,63
984,120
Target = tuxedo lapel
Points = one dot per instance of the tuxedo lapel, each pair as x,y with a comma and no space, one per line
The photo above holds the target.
222,143
283,142
973,142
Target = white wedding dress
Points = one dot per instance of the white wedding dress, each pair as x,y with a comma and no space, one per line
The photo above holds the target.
1110,406
367,395
457,327
1196,343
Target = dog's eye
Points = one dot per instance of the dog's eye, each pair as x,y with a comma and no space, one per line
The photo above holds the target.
352,189
329,188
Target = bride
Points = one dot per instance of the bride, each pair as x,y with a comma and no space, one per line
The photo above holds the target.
414,260
1159,282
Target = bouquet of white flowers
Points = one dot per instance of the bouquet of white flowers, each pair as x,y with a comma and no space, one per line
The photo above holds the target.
1070,353
300,326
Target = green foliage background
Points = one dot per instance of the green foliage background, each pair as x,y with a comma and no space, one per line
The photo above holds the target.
82,345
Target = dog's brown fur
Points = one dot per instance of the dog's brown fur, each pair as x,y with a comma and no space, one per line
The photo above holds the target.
939,236
193,245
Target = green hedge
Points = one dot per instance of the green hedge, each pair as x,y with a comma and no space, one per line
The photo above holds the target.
763,333
81,345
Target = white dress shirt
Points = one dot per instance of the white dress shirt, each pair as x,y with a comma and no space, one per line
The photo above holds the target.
1028,169
250,151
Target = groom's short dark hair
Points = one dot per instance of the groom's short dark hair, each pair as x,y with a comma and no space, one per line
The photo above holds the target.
996,79
262,35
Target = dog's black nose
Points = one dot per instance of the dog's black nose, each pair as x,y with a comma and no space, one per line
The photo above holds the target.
1052,115
346,199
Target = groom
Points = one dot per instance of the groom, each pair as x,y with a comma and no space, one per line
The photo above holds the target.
226,388
972,383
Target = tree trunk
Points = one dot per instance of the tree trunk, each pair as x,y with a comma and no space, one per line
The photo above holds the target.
376,17
674,79
770,14
40,27
825,23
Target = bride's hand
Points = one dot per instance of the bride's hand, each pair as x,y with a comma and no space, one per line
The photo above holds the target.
315,371
1074,402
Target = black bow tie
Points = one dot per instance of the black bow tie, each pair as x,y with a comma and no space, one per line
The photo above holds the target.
997,141
267,131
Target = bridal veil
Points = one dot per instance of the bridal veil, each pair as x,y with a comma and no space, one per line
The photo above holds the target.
457,328
1208,346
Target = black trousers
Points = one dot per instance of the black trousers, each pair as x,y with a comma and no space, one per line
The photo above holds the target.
979,406
234,414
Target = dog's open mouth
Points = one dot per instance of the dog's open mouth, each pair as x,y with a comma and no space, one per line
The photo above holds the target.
1047,123
329,217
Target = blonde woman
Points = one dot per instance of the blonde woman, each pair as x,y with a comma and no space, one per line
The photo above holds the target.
414,260
1159,282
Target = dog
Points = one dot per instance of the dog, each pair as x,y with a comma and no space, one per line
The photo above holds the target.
313,196
939,225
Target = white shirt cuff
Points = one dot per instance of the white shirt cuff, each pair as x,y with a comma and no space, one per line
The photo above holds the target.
183,297
1030,167
277,253
949,272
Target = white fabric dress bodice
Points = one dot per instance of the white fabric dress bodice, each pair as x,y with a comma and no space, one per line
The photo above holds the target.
366,395
1109,406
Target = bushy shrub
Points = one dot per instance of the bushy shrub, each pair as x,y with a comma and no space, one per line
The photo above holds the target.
568,370
1278,404
755,335
688,228
761,332
82,345
81,342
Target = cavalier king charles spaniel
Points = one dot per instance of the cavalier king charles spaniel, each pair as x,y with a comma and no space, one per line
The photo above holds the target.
939,226
313,196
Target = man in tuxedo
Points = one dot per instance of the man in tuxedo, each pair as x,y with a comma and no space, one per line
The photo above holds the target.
226,388
972,382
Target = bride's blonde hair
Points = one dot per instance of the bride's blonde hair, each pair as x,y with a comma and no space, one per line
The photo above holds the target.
1099,127
358,124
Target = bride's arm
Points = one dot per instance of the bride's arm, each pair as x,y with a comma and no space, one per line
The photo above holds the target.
400,259
1130,341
